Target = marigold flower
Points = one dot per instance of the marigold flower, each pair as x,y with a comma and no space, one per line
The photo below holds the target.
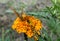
27,24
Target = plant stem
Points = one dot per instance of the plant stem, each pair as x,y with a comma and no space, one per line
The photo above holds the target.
2,34
25,36
15,12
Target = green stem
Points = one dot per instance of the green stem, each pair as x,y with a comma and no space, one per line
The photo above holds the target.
2,34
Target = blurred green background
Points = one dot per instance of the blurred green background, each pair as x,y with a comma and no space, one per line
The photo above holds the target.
48,11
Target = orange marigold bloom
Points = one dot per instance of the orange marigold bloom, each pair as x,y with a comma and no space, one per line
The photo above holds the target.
27,24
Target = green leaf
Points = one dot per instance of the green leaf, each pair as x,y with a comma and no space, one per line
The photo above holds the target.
58,39
41,39
0,39
7,38
7,31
